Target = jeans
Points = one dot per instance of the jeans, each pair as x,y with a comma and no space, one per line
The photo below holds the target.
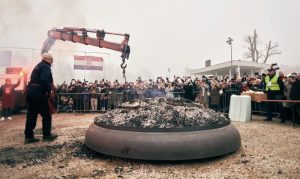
94,104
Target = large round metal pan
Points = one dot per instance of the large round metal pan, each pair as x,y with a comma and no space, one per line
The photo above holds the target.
160,145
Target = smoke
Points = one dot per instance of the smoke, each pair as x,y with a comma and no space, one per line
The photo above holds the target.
25,24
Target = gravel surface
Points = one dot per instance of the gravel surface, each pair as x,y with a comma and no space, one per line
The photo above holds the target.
161,113
269,150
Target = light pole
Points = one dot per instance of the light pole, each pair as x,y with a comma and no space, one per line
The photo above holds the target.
229,41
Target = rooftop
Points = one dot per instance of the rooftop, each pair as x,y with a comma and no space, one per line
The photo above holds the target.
223,68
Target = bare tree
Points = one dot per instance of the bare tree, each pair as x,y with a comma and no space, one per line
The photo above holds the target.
271,50
254,53
251,52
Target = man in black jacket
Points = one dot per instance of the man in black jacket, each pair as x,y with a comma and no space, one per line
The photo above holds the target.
38,92
188,89
295,95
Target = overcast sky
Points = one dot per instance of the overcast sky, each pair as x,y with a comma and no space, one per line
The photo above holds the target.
163,34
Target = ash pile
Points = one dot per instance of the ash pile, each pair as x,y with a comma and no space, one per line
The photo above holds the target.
161,113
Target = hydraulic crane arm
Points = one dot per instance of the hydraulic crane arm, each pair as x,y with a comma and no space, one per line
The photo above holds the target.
82,36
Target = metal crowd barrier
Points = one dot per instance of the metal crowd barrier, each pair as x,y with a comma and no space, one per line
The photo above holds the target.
86,102
258,108
101,102
225,99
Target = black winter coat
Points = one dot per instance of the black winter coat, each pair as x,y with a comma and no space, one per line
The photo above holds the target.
40,80
295,91
188,91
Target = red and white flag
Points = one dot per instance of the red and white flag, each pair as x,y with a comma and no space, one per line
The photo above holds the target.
88,63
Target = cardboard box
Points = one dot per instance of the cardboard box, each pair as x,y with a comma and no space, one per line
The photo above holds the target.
249,94
260,97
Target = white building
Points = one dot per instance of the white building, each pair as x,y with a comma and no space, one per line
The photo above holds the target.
229,68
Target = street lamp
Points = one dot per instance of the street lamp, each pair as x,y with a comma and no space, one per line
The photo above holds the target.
229,41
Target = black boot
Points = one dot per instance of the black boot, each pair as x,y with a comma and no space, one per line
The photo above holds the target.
50,137
31,140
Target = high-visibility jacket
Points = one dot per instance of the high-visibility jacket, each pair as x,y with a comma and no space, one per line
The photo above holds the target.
273,86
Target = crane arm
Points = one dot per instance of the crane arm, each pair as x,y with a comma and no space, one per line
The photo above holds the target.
81,35
93,37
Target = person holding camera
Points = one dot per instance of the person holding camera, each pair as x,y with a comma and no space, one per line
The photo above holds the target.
288,84
203,95
188,88
94,97
215,95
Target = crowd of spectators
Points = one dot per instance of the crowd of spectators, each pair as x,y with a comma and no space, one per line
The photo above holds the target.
208,91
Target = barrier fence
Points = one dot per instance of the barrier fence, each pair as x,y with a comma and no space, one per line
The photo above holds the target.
101,102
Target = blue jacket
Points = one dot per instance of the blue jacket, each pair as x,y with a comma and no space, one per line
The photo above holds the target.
40,80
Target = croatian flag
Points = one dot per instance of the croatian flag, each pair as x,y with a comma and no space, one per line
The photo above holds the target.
88,63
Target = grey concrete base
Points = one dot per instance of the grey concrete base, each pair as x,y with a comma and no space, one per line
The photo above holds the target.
164,145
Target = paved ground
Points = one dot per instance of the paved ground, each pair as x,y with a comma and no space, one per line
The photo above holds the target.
269,150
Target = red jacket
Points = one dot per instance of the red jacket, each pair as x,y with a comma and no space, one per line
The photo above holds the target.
7,95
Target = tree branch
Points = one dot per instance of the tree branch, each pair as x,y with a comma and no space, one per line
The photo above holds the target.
271,51
247,55
259,54
268,51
